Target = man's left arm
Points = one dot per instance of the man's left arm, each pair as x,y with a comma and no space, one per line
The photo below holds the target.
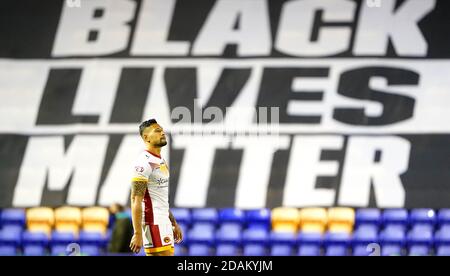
177,233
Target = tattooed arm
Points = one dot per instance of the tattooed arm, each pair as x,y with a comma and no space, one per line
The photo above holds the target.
138,188
177,233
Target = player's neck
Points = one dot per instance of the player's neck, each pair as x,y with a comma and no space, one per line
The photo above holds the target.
155,151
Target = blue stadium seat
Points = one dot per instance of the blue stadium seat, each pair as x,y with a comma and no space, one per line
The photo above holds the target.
90,250
58,250
442,236
310,238
13,228
443,250
92,238
62,238
309,250
258,217
420,235
254,250
227,250
395,217
391,250
8,250
283,238
199,250
258,236
10,238
419,250
392,235
443,216
337,238
367,216
232,215
364,235
422,216
13,216
34,250
336,250
229,234
34,238
362,250
208,215
182,215
281,250
201,234
141,253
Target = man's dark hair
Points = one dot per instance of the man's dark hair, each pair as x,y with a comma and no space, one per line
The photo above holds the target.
146,124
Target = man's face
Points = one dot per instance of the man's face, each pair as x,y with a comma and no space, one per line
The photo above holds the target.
155,135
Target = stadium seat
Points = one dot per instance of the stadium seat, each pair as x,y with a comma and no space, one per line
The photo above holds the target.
34,250
8,250
443,217
258,236
68,219
90,250
420,235
391,250
232,215
422,216
392,235
10,238
397,217
13,217
283,238
313,219
442,236
337,238
40,219
364,235
310,238
281,250
35,238
254,250
199,250
63,238
201,234
95,219
182,215
309,250
341,219
208,215
229,234
362,250
367,216
59,250
258,217
92,238
227,250
285,219
443,250
419,250
336,250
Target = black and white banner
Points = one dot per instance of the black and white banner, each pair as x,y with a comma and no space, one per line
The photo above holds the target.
360,91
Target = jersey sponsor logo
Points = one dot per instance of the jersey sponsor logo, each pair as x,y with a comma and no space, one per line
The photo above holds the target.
139,169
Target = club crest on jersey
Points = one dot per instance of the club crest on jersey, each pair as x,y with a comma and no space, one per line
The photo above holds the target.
166,239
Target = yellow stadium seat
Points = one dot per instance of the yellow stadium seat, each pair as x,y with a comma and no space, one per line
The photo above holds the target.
68,219
341,219
40,219
285,219
313,219
95,219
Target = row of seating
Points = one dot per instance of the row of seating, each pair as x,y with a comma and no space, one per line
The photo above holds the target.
63,219
314,219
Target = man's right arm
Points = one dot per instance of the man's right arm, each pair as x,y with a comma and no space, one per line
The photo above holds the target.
138,188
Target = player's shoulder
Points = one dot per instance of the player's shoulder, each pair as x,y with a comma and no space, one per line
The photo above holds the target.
147,157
